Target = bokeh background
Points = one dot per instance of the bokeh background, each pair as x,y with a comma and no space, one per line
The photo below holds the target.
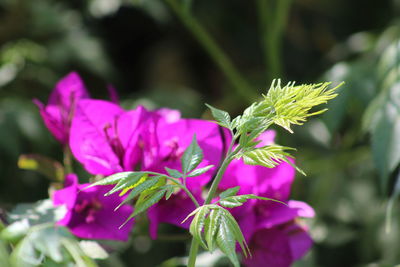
229,55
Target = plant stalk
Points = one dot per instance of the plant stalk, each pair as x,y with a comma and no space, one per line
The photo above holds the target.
194,247
272,16
241,87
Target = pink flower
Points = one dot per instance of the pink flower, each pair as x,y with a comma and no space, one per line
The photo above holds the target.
271,229
59,111
105,138
279,246
90,214
166,149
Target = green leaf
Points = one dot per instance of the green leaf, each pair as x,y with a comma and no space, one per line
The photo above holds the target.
192,156
226,242
93,249
147,184
219,228
229,192
49,243
4,257
234,227
196,227
222,117
112,179
149,201
386,141
211,227
236,201
200,171
170,190
268,156
292,104
174,173
50,168
128,182
25,216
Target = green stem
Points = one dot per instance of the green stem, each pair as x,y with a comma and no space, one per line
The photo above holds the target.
242,88
217,180
191,196
272,15
194,247
67,160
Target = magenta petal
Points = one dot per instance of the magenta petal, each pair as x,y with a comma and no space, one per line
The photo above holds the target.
303,209
90,214
90,144
299,240
174,138
130,126
269,247
59,111
266,138
67,91
272,214
67,195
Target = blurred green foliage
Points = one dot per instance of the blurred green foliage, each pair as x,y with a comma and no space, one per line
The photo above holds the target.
351,154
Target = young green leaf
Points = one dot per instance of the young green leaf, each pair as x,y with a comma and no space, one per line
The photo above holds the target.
146,184
229,192
234,227
292,104
151,198
192,156
197,225
200,171
127,182
268,156
226,242
149,201
112,179
174,173
236,201
170,190
212,223
222,117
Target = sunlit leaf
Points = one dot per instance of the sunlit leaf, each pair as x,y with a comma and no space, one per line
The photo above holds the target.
200,171
226,242
211,228
149,201
147,184
128,182
268,156
173,173
229,192
192,156
236,201
222,117
196,227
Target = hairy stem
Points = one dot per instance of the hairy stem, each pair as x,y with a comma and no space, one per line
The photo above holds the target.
242,88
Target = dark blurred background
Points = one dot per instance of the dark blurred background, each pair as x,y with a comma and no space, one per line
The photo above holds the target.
351,154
